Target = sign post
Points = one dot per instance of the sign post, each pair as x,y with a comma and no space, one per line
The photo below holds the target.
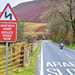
8,28
6,58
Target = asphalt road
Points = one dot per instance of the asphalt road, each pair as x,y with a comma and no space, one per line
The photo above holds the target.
54,61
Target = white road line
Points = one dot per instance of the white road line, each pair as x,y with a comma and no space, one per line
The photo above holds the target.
41,71
60,73
66,55
68,70
69,56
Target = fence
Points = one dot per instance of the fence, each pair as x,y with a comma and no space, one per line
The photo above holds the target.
17,57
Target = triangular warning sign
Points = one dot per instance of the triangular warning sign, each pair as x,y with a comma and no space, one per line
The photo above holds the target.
8,14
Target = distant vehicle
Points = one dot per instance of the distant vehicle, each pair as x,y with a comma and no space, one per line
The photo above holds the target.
61,45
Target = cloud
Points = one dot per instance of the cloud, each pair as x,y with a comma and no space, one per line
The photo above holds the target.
12,3
15,2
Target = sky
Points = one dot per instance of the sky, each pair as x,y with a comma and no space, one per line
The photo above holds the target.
11,2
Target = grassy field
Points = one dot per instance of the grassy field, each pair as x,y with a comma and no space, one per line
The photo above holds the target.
31,68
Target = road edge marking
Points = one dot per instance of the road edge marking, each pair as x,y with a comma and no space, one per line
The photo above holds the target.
41,71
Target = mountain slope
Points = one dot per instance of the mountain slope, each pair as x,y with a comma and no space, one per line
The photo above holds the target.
31,11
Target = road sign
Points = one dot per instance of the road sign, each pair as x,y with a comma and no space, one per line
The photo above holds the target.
8,23
7,32
7,28
8,15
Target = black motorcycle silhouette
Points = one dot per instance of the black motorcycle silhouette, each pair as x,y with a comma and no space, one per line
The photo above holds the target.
61,45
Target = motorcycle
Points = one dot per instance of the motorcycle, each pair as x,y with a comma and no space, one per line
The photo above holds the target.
61,45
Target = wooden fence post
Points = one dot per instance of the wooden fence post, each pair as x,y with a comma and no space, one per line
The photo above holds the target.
22,57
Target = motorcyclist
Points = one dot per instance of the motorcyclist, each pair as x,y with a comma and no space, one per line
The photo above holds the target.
61,45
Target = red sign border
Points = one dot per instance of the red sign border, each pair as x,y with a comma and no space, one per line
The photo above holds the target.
8,5
16,35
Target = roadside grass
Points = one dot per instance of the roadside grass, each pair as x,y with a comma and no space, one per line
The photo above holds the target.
31,68
71,46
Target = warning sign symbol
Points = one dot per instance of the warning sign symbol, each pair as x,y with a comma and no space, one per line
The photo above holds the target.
8,14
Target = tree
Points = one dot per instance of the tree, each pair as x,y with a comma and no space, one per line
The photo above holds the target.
20,30
56,25
71,19
60,20
70,4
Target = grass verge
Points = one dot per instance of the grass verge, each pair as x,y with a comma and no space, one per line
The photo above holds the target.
71,46
31,68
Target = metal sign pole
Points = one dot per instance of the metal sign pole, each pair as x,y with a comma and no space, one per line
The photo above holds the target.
6,58
8,20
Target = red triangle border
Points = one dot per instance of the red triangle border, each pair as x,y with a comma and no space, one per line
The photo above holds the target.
8,5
